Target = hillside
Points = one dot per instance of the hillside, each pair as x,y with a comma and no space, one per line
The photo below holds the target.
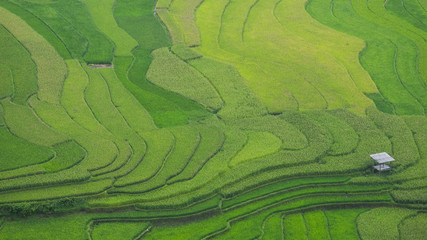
212,119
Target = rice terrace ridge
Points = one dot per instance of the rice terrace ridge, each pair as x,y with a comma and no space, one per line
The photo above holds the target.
213,119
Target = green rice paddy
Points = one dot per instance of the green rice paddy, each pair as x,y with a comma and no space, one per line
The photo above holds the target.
212,119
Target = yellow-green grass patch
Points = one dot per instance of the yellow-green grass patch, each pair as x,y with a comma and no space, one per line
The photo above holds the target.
387,218
70,190
102,15
317,225
342,223
294,227
414,227
113,230
159,145
171,73
259,144
17,70
51,69
100,151
24,123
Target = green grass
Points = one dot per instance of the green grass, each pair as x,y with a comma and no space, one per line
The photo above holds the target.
49,228
175,33
136,115
371,139
387,218
409,11
211,141
98,97
23,123
67,155
118,230
291,137
74,102
187,140
345,137
417,36
184,52
239,100
162,111
413,227
51,69
272,227
15,230
275,188
417,126
242,119
259,144
413,184
99,48
182,13
16,152
74,26
233,33
100,151
78,97
102,15
70,190
124,118
318,140
163,3
397,79
6,82
399,134
157,208
234,141
121,165
294,227
317,225
410,196
159,145
166,108
23,171
342,223
18,75
381,103
39,26
171,73
216,164
245,222
1,115
72,175
416,9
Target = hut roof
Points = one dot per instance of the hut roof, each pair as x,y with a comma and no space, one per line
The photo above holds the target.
382,157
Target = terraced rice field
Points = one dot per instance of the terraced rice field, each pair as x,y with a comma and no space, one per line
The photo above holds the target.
212,119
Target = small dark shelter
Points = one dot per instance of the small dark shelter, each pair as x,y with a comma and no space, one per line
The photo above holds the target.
381,159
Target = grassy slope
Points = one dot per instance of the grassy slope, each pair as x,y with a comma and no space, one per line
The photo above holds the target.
194,167
166,108
18,78
237,37
413,228
398,77
51,69
118,230
73,26
16,152
388,218
171,73
342,223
